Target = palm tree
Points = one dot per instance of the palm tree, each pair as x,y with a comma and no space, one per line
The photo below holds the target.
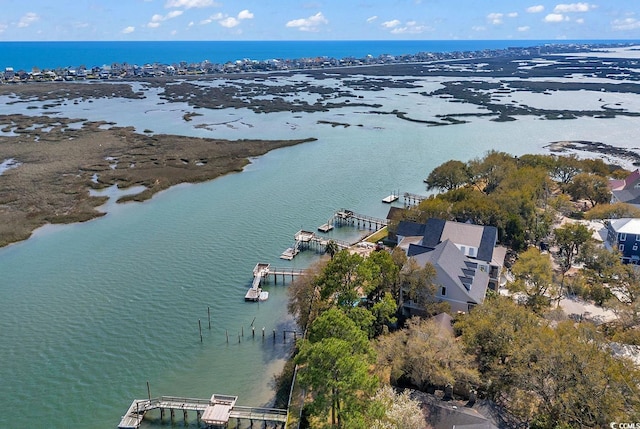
332,248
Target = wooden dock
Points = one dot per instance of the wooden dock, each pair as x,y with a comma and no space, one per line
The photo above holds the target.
413,199
255,291
344,216
307,239
214,412
262,272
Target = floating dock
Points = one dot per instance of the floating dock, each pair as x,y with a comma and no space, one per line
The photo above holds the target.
215,412
391,198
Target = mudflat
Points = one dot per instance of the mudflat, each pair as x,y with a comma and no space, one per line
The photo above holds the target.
53,164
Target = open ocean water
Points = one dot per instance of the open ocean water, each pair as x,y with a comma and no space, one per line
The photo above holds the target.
91,312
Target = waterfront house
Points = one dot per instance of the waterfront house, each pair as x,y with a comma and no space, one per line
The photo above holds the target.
624,235
477,242
626,190
465,256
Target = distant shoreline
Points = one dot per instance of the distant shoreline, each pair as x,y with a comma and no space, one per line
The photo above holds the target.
154,67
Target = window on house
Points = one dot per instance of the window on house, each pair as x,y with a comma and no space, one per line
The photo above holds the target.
622,236
443,291
463,250
621,247
472,251
635,247
637,237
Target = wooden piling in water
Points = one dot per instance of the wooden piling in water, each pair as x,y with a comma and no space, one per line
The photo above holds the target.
209,316
200,329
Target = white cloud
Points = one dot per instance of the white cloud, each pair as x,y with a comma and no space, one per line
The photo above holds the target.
579,20
495,18
479,28
409,29
555,17
573,7
128,30
157,18
174,14
625,24
512,14
245,14
524,28
372,18
229,22
216,17
535,9
3,28
391,24
312,24
189,4
28,19
226,20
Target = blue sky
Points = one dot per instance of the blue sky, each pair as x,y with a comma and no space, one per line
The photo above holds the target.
42,20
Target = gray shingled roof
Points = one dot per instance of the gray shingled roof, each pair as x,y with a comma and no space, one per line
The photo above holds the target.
410,229
631,196
488,243
455,265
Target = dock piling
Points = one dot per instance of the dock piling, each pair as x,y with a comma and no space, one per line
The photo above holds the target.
200,329
209,316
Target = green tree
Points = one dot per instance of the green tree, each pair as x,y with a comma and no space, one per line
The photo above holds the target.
612,211
345,279
332,248
569,239
493,332
426,356
549,377
335,362
304,301
533,277
386,274
489,171
591,187
417,286
448,176
566,168
433,207
572,379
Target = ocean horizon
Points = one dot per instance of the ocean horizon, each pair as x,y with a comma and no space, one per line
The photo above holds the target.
52,55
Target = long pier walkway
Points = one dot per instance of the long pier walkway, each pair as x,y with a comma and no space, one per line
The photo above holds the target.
215,412
412,199
344,216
